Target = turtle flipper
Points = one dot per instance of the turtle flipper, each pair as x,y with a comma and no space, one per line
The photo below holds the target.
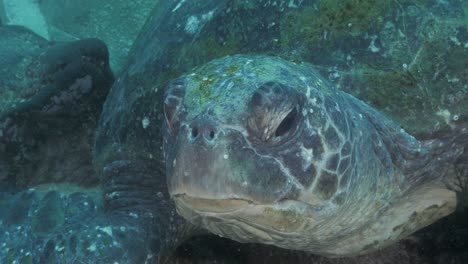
137,191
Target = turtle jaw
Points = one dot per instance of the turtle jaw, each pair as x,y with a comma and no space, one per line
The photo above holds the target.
247,221
214,206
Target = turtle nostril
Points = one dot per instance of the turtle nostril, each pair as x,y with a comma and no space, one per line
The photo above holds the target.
202,131
212,134
194,132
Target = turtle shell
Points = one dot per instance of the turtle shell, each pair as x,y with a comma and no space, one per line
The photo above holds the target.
411,68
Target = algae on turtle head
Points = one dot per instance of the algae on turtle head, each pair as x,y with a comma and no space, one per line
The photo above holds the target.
283,158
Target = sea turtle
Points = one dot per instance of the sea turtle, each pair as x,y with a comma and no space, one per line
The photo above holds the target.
49,100
263,150
136,221
183,34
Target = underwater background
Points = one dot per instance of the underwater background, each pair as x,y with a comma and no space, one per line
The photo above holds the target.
60,58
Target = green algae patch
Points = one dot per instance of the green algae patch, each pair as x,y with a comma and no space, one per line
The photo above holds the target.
397,91
331,19
203,92
411,68
208,48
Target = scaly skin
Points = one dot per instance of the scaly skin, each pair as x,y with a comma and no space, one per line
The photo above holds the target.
270,152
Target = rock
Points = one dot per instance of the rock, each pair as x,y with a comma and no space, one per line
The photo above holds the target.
45,86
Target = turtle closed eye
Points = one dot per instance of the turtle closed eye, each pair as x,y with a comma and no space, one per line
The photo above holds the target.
288,123
274,112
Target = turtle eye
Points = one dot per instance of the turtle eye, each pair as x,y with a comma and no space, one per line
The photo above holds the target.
274,112
288,123
173,98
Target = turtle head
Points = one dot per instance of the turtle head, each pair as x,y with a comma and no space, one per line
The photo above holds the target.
236,148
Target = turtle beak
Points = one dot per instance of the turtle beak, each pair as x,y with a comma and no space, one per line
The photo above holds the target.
209,162
200,166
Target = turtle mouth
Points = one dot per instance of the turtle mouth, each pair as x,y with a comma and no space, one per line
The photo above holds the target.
247,221
230,206
214,206
274,216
